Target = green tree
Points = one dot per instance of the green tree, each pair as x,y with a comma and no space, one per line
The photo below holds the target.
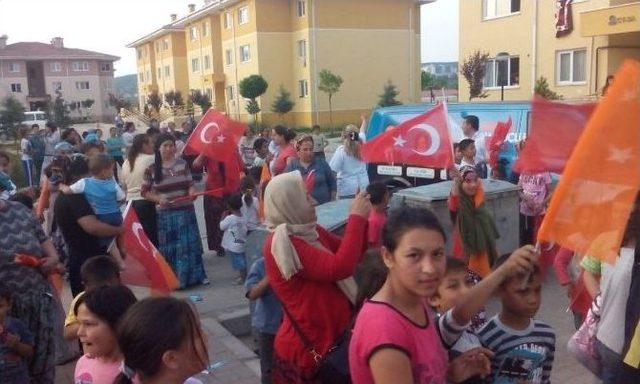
474,69
154,101
389,94
283,103
174,99
428,80
251,88
11,114
88,103
61,113
542,89
330,84
118,102
200,99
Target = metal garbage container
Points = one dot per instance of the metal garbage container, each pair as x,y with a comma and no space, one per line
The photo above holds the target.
501,198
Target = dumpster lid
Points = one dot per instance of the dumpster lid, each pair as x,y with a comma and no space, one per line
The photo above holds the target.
334,214
440,191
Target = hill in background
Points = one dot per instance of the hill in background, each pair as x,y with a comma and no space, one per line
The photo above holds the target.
126,86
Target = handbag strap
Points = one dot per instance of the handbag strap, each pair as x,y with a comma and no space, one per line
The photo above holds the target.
307,343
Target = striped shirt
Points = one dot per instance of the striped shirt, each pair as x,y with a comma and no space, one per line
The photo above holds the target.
176,181
520,355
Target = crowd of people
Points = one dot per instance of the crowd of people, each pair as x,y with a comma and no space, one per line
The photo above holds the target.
382,303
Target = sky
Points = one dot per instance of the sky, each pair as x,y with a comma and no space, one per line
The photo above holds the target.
108,26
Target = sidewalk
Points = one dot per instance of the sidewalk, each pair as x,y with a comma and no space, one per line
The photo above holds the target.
221,300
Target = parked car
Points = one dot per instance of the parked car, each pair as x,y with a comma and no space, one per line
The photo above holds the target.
489,113
35,117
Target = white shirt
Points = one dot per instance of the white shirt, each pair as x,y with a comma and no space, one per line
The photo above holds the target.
481,147
250,214
127,139
352,173
25,146
235,233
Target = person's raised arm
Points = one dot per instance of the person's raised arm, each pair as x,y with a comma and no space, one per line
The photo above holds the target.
522,260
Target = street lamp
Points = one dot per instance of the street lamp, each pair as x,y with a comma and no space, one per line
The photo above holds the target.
502,58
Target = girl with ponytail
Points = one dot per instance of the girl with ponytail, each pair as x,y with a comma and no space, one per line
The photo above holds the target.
162,342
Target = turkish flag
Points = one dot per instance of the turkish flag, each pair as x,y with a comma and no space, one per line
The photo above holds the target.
216,136
144,265
590,207
496,140
555,129
422,141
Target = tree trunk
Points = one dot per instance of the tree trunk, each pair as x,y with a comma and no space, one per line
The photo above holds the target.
330,116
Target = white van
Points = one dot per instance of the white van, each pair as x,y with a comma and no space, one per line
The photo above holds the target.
35,117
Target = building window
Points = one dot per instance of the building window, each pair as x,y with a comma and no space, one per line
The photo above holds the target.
243,15
80,66
206,29
502,71
304,88
159,72
141,77
105,67
82,85
167,71
228,20
148,76
139,52
195,65
231,94
302,49
57,86
498,8
302,8
209,93
245,53
165,44
207,62
56,67
14,67
193,33
16,88
228,57
157,46
571,66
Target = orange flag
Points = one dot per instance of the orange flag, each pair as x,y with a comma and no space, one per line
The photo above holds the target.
144,265
590,208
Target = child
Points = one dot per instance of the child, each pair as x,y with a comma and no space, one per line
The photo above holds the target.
379,197
7,187
16,344
27,160
250,203
467,148
103,194
96,272
523,347
266,317
319,142
235,237
162,342
261,148
99,312
534,196
457,155
395,338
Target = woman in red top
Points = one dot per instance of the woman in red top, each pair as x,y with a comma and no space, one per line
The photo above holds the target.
310,271
283,136
220,175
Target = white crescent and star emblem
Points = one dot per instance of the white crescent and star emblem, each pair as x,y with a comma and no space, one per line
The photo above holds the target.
136,228
205,130
435,139
220,138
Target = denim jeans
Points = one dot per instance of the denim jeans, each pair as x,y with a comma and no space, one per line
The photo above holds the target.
265,343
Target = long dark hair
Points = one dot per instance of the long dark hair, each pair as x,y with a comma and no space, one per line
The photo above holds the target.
286,133
136,148
109,303
152,327
247,186
404,219
157,176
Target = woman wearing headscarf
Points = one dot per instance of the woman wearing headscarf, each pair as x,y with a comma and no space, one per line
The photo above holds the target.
168,183
475,231
348,165
310,271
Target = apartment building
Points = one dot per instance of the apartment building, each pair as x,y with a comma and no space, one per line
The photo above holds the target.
33,72
289,42
574,44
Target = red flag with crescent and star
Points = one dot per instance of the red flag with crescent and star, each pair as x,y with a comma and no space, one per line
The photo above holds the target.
423,141
216,136
144,265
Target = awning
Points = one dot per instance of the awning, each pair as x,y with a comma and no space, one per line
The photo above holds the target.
609,21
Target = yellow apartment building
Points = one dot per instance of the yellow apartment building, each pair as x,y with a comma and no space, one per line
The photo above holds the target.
520,37
289,42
